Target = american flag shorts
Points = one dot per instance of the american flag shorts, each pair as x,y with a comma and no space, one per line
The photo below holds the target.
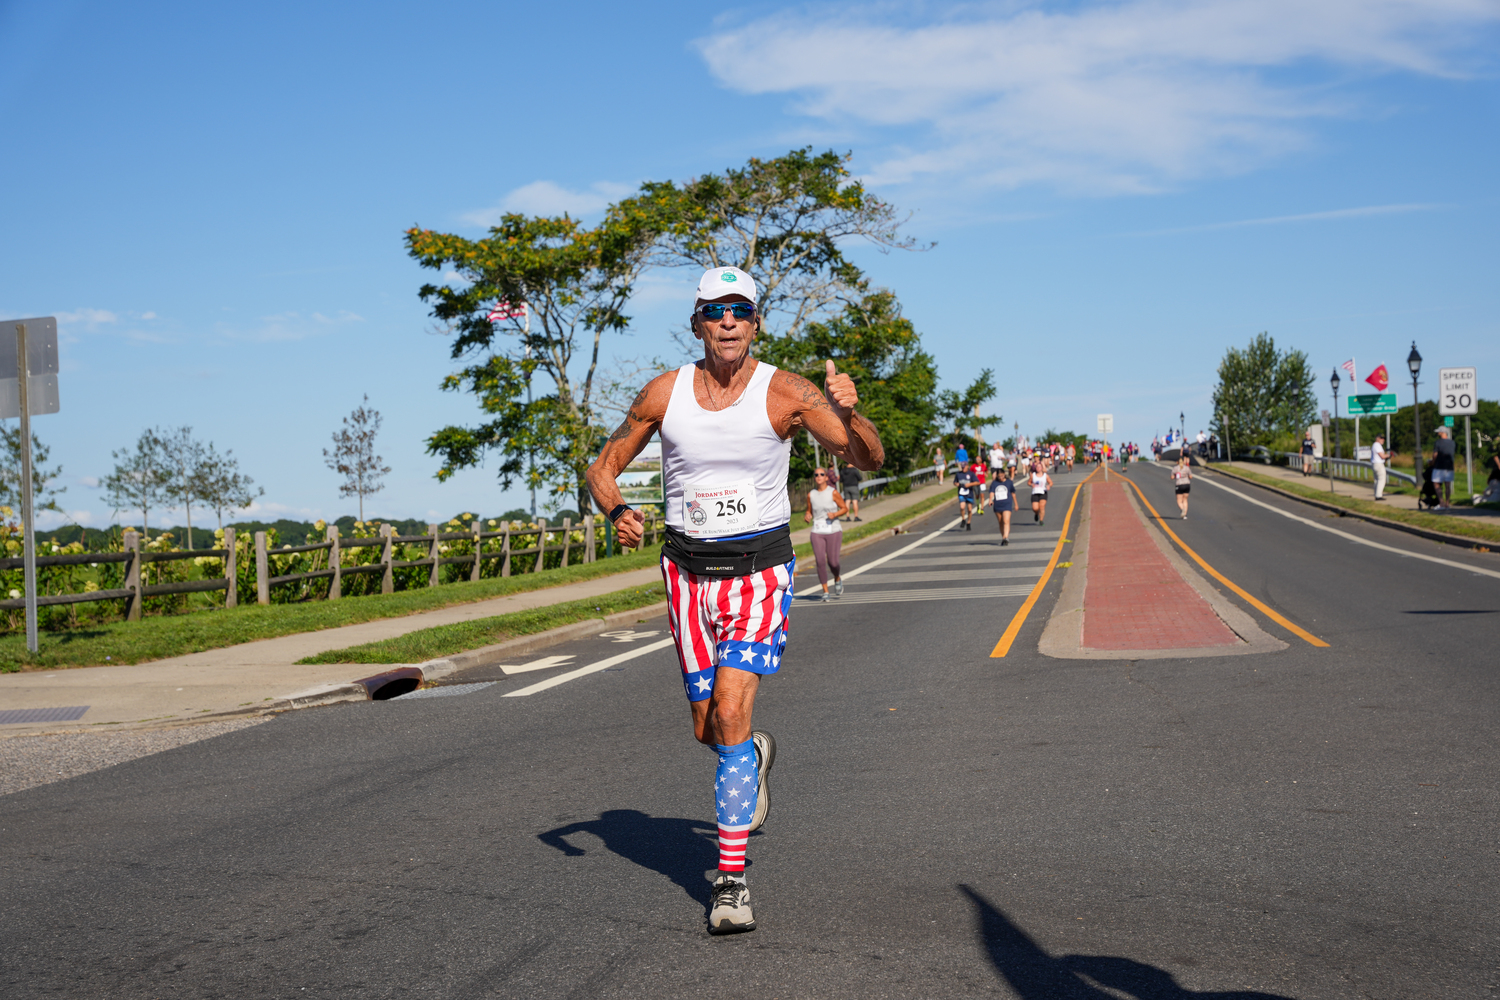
737,621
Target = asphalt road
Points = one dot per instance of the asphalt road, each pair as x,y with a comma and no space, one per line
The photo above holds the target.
1306,823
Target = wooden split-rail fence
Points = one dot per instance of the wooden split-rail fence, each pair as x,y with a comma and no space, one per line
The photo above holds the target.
501,544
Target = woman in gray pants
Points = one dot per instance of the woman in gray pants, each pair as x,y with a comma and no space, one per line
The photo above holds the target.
824,508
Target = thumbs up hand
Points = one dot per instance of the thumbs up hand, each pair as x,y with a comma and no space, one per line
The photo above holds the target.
840,390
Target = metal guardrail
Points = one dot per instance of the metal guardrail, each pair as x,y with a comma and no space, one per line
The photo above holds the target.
1347,469
915,475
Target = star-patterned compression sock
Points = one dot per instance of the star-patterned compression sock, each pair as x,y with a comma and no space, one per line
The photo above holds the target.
735,787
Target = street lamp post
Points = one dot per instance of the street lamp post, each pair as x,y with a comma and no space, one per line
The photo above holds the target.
1337,444
1414,363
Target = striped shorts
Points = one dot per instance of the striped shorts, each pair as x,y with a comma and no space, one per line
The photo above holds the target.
735,621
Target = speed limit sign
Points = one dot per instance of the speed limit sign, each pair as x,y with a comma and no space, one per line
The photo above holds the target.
1458,392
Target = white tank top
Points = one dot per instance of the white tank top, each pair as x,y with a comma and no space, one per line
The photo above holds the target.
712,450
824,511
1038,482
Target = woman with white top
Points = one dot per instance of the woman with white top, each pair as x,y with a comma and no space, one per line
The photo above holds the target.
1182,478
1040,484
824,508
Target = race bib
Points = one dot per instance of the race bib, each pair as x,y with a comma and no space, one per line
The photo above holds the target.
711,511
1000,492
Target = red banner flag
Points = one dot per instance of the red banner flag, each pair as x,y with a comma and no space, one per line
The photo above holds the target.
504,310
1379,378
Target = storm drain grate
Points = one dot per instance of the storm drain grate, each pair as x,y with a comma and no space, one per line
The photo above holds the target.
445,692
14,715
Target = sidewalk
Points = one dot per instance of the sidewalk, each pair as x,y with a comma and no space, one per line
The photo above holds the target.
237,679
1358,491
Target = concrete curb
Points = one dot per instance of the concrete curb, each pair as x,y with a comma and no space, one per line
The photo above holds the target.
1465,541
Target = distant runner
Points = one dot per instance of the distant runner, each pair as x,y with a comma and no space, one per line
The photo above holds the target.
1003,497
824,508
726,424
1040,484
964,480
1182,478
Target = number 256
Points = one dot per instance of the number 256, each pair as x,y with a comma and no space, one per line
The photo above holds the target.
730,507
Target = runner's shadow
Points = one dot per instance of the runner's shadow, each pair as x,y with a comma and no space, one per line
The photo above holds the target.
1036,975
681,849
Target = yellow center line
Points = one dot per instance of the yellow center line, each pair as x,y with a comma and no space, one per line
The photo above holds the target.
1014,628
1260,606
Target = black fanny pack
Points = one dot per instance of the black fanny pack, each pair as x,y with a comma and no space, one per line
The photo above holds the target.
731,557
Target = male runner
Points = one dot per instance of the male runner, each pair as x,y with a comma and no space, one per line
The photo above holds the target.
964,480
726,426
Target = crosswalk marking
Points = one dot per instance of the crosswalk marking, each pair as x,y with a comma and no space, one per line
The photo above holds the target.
924,594
980,560
956,576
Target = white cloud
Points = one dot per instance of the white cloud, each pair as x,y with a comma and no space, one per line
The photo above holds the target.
1101,98
87,319
290,326
46,520
1276,220
547,198
92,482
270,511
148,315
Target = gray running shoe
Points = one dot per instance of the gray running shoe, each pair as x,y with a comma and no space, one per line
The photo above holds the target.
765,757
729,910
838,588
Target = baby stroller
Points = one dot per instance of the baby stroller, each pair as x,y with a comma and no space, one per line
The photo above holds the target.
1428,498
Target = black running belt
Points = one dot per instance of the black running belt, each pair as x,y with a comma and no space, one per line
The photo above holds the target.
732,556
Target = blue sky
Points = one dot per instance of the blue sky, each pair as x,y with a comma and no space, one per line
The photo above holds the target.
212,200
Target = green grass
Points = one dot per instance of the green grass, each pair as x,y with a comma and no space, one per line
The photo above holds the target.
445,640
156,637
1468,527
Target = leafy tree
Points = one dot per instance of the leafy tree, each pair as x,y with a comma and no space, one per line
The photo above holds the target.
781,220
575,282
881,350
1063,438
183,454
353,455
961,409
220,484
1266,394
142,479
43,494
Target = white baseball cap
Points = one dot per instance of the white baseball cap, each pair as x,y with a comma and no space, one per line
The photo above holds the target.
721,282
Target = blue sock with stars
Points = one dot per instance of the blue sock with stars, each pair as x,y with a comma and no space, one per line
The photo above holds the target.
736,785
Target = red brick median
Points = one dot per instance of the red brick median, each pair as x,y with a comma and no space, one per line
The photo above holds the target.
1134,598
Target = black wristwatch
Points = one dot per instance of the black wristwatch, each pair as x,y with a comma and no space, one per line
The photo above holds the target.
614,515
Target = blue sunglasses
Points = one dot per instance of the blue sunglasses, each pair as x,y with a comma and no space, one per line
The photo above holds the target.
716,310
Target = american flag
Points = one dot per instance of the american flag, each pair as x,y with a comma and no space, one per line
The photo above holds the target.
504,310
1348,366
693,505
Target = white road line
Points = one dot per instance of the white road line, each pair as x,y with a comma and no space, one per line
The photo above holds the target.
1352,538
901,551
592,668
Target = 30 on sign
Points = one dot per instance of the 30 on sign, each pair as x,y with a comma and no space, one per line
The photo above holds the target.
1458,392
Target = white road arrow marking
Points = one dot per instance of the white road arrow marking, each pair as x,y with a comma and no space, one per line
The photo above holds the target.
542,664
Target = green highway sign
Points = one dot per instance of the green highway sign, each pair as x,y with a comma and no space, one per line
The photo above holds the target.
1372,404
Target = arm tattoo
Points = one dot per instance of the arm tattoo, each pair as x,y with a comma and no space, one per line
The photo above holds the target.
634,418
807,393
